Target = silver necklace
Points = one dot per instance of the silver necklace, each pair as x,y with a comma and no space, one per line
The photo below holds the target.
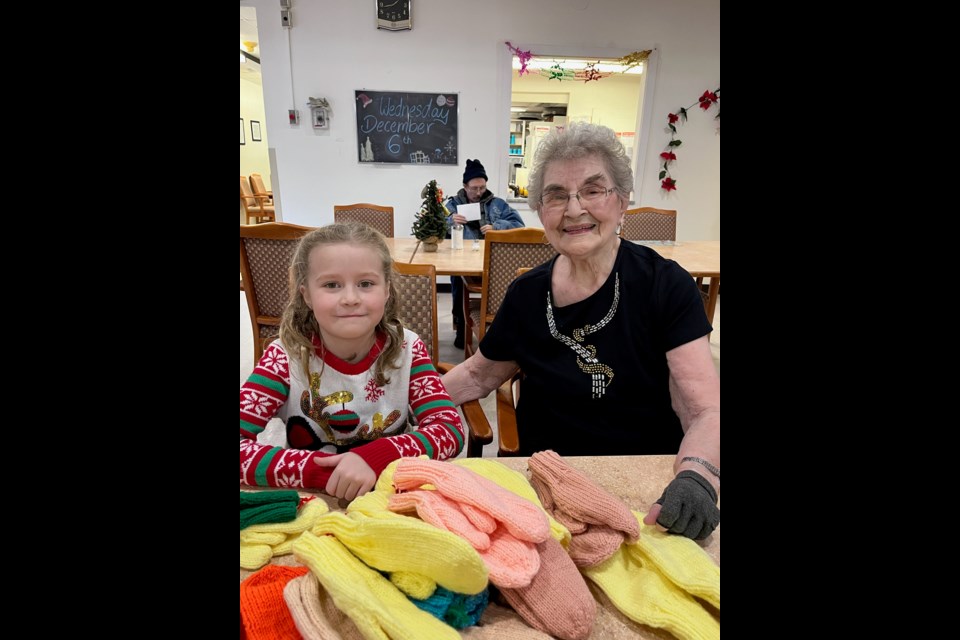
600,374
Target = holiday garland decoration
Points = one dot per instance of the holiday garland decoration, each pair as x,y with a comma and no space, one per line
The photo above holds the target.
707,100
524,57
557,72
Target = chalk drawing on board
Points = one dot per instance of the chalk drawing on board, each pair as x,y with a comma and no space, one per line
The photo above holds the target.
419,157
366,151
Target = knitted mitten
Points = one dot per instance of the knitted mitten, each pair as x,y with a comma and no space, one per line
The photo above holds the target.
557,600
644,595
498,623
680,560
260,542
515,482
267,506
522,518
598,521
456,609
262,607
408,544
377,608
314,613
510,561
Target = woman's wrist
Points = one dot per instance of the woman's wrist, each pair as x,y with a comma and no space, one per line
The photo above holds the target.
703,467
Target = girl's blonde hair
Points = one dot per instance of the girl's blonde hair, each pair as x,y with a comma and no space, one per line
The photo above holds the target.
298,325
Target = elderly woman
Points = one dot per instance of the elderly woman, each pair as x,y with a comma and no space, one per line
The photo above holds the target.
612,339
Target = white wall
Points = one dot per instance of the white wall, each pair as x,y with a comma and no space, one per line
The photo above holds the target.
253,155
336,48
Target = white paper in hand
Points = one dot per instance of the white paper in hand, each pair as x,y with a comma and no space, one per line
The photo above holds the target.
470,211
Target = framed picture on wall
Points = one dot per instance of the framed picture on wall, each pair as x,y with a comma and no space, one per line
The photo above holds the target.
242,139
255,131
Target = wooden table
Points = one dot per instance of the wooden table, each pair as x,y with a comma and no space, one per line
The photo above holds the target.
462,262
701,258
638,481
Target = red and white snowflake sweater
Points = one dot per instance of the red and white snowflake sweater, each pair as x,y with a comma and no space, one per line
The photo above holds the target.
342,410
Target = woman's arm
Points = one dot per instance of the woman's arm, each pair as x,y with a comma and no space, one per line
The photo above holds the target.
695,395
688,505
476,377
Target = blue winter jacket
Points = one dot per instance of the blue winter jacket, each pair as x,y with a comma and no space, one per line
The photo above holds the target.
493,210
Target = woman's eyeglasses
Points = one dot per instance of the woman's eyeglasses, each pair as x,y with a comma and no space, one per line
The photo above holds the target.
556,201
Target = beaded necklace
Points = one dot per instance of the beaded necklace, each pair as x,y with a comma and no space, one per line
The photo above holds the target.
600,374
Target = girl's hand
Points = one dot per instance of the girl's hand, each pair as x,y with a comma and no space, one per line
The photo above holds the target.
351,476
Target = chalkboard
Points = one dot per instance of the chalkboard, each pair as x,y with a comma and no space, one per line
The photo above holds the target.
406,128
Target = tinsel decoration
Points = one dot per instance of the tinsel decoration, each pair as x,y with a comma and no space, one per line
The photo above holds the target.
633,59
523,56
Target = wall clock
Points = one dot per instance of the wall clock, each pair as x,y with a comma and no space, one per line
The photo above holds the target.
394,15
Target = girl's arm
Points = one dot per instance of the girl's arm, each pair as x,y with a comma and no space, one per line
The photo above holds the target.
439,434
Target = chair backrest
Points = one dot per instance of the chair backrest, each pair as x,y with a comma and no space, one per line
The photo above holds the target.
503,253
647,223
417,288
378,217
254,206
266,251
256,183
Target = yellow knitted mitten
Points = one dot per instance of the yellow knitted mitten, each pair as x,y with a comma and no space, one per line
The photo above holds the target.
378,609
409,544
644,595
260,542
681,560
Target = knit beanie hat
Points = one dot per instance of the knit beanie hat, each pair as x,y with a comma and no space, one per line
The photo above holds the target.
262,607
260,542
267,506
474,170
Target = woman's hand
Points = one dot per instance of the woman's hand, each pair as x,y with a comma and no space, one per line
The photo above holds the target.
351,476
687,507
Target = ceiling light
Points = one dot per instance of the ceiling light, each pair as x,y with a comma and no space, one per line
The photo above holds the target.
517,109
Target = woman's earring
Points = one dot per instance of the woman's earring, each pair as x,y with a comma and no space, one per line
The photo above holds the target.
619,226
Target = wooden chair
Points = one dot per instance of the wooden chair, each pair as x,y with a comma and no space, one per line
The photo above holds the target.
254,206
266,251
374,215
256,183
647,223
503,253
417,288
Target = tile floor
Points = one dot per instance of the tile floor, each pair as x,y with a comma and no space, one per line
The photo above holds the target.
447,352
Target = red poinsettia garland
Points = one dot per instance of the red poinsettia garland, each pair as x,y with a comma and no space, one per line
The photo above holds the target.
707,100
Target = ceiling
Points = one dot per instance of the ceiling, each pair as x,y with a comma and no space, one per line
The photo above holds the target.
536,110
248,33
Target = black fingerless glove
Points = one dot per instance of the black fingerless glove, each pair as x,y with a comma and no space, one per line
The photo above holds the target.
689,506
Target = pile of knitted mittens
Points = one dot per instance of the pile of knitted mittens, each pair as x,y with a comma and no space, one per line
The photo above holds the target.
511,534
278,524
653,578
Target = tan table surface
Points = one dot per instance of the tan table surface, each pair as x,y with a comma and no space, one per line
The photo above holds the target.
638,481
462,262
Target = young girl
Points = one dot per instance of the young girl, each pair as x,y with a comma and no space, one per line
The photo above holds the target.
344,375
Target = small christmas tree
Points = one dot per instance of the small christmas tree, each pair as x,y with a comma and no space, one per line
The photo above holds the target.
430,224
